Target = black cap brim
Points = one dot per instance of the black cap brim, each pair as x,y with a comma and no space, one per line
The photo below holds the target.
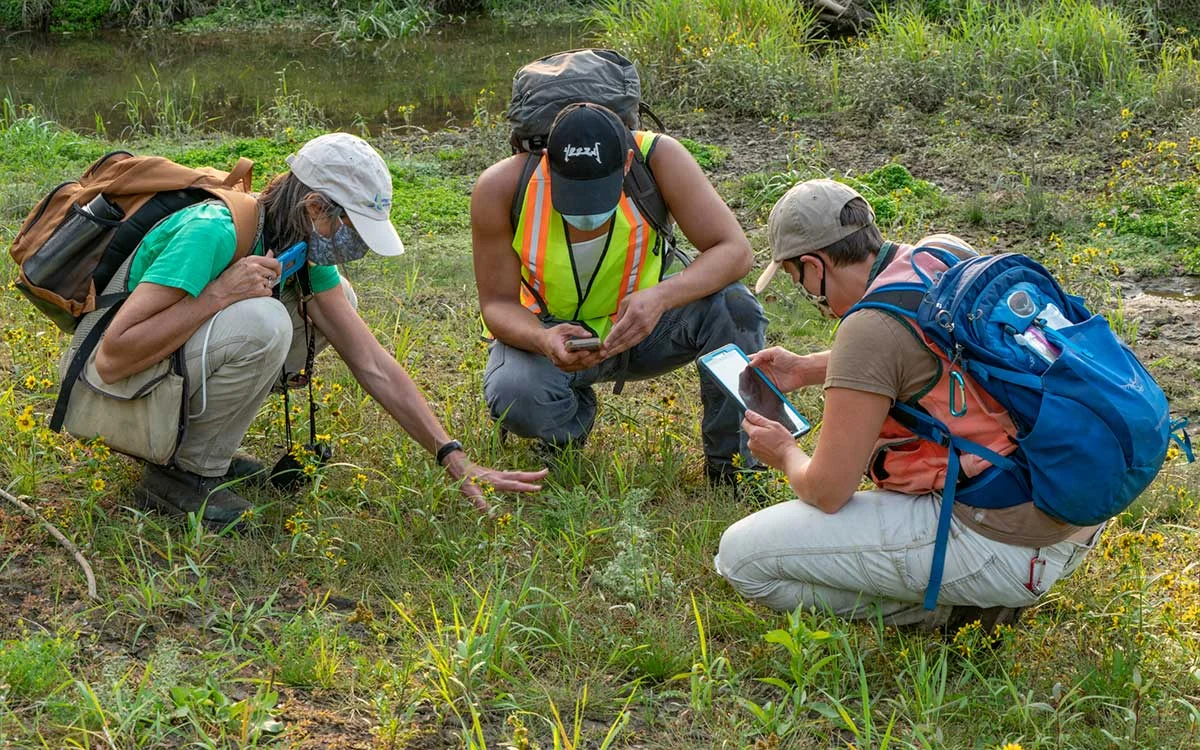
585,197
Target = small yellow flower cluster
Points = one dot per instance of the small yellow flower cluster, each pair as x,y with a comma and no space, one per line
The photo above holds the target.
25,421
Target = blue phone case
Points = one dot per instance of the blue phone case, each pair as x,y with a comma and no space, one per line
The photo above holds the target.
706,361
291,260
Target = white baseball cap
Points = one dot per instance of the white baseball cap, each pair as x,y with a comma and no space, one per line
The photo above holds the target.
806,219
348,171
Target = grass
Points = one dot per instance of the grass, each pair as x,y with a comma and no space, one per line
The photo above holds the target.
374,609
1022,65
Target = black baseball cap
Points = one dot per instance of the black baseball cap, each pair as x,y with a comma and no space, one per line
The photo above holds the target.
586,149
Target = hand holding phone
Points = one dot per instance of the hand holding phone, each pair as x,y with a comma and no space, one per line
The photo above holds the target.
588,344
291,260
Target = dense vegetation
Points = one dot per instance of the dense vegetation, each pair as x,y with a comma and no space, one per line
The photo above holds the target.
375,609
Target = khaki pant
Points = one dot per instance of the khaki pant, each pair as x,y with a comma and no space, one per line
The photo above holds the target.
872,558
232,361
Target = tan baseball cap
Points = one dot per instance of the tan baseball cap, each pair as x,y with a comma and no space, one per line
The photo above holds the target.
807,219
348,171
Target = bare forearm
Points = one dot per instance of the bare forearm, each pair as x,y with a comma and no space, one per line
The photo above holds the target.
390,385
139,346
710,272
814,367
514,325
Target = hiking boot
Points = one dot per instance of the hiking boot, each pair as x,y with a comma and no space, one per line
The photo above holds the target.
246,468
725,474
176,492
989,618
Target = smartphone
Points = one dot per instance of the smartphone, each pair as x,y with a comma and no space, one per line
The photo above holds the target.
589,344
291,260
730,367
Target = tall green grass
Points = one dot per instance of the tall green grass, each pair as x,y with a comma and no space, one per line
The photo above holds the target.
747,56
1056,56
1053,60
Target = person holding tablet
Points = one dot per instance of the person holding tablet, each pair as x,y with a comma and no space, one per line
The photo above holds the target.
865,554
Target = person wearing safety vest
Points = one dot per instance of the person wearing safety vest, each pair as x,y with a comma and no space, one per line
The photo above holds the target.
583,262
863,554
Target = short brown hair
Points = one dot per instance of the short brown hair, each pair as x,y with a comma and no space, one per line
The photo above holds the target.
861,245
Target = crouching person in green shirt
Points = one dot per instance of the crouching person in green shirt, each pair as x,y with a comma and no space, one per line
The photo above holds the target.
237,339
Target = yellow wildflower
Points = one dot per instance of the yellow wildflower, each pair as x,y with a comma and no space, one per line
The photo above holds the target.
98,484
25,422
31,382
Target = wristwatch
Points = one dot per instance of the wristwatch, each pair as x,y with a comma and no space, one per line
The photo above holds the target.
446,449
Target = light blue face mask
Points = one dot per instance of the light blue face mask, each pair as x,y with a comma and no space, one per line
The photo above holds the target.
589,222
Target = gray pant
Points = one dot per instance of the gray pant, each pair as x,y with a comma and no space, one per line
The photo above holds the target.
534,399
231,369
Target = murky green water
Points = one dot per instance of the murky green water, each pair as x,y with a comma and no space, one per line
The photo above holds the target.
229,82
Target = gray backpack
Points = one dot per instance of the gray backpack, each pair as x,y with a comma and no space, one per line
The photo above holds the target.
600,76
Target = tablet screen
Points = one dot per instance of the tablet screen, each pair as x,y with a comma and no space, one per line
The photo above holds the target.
734,371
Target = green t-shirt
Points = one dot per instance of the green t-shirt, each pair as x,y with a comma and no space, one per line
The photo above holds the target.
191,247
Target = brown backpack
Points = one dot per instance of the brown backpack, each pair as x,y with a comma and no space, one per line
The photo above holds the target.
74,241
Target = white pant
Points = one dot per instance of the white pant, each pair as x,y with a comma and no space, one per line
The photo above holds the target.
873,557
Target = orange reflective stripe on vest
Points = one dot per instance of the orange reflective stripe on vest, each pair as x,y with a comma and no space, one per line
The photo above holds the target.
635,255
533,242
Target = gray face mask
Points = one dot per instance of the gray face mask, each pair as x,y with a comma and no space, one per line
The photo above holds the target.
344,246
589,222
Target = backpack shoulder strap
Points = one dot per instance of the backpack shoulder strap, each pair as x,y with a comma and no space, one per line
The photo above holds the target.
248,219
532,159
642,189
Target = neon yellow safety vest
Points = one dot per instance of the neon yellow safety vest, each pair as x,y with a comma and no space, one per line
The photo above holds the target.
632,259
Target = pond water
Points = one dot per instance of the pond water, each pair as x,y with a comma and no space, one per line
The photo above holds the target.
228,82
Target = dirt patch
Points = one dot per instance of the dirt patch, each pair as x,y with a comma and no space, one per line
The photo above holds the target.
1168,342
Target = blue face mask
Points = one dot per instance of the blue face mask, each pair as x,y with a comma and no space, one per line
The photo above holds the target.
589,222
344,246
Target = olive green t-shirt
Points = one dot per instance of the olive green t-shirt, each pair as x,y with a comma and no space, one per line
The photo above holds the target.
192,246
876,353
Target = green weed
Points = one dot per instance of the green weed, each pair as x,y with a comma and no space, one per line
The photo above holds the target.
746,56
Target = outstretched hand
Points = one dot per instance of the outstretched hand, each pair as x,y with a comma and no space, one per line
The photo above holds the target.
475,477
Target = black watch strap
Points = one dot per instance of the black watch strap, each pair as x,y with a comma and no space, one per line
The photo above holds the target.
446,449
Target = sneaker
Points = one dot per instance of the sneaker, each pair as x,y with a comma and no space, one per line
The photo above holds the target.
176,492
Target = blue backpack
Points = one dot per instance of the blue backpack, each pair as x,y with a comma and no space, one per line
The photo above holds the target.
1092,425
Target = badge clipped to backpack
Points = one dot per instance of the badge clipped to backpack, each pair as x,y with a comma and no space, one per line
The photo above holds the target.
1092,427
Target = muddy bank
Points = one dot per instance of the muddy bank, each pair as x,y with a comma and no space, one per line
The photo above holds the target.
1168,338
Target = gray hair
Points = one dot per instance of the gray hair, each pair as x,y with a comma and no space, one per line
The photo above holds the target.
284,200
